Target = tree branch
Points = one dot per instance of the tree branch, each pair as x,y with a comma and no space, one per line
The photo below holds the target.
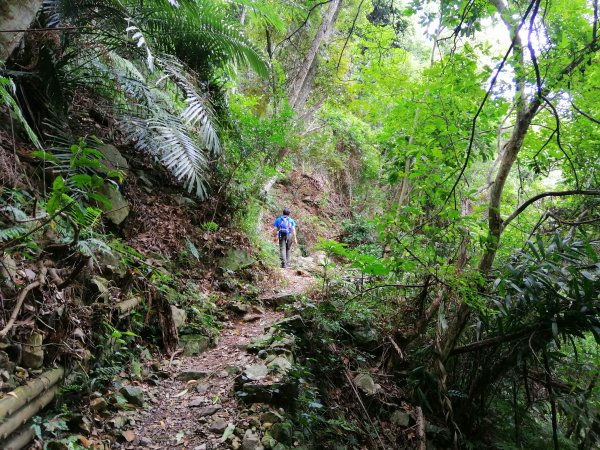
474,346
587,116
348,37
558,142
17,308
534,199
515,40
312,8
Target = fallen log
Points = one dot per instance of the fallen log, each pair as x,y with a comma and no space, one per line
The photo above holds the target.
24,394
13,422
19,440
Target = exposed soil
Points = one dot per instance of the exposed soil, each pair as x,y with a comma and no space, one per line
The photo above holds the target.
178,413
314,204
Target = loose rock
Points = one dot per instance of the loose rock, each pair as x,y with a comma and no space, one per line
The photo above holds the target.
251,441
365,383
192,375
400,418
179,316
208,410
271,417
218,426
98,404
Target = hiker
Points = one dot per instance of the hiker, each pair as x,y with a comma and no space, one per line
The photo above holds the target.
286,230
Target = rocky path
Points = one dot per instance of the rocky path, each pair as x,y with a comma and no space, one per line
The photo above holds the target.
194,406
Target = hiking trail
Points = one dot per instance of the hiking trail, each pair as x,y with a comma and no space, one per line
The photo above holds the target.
194,405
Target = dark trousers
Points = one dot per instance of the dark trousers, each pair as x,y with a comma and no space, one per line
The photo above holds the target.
285,249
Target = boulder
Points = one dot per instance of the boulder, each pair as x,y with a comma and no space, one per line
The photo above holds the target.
239,308
279,394
282,432
281,299
292,323
366,338
8,270
5,362
256,372
260,342
98,404
232,369
440,435
251,317
113,159
218,426
111,264
283,342
208,410
119,207
133,395
268,441
179,316
365,383
280,364
33,354
271,417
236,259
194,344
202,388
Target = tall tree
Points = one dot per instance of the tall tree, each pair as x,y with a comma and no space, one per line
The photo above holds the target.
300,85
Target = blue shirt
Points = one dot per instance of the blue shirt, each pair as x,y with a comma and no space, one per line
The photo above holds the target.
278,221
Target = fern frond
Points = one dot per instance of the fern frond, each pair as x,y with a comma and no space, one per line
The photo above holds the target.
129,78
173,145
198,112
138,36
8,234
7,90
181,155
266,12
92,246
198,32
18,229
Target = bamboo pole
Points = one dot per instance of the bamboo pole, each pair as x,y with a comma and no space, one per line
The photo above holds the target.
20,440
27,412
24,394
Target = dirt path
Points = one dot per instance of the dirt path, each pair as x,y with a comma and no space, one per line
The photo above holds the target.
193,414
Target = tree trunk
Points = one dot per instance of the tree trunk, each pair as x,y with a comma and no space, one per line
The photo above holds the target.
323,33
510,150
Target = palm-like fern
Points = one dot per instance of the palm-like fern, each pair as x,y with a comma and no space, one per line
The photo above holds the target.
164,109
176,134
195,31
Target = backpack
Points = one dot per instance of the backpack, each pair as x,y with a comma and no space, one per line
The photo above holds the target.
285,225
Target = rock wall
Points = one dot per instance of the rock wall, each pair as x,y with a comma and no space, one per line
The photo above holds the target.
15,15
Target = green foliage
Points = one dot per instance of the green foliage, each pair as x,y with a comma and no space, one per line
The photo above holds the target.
196,32
556,282
7,91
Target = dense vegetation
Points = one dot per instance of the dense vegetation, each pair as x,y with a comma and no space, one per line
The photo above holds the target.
460,144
